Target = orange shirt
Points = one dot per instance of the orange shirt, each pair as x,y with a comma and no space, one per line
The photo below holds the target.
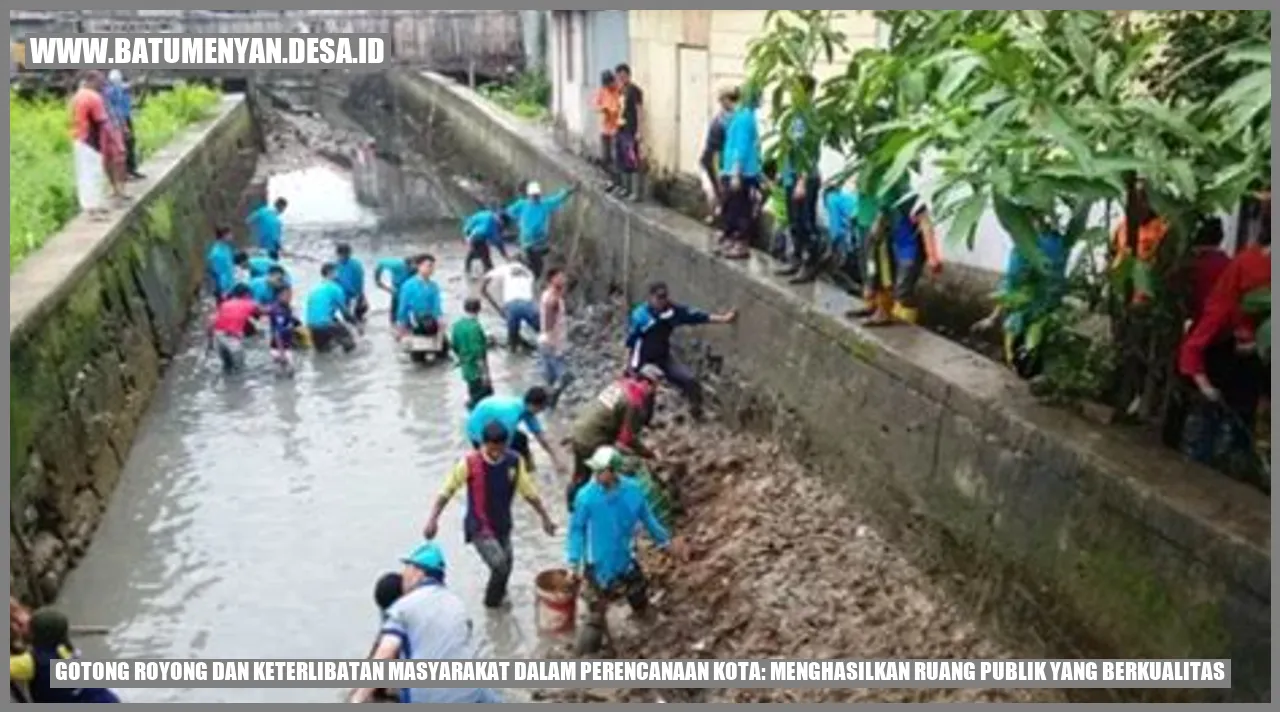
609,104
1150,235
87,110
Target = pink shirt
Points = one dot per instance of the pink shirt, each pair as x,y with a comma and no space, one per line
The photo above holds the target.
233,316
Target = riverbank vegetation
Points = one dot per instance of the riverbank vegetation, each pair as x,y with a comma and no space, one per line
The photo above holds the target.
528,95
42,193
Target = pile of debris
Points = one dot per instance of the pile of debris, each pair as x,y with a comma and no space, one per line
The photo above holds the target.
780,564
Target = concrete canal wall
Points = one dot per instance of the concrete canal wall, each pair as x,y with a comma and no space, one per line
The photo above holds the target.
94,317
1053,528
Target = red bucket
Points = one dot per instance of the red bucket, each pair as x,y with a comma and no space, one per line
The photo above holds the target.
556,602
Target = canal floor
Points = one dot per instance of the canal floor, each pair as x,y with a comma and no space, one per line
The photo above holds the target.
255,513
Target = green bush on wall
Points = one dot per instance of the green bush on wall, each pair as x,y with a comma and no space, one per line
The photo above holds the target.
42,191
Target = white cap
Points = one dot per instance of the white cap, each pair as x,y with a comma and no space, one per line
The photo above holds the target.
115,77
534,188
605,458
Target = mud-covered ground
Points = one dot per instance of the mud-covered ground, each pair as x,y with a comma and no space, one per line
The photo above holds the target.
778,564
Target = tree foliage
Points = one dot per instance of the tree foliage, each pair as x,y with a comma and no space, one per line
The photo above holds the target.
1046,118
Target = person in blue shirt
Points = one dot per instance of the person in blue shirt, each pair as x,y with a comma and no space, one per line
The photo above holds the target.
482,232
649,339
119,102
398,271
600,549
420,310
257,265
266,289
350,276
801,183
50,641
1042,283
841,207
266,225
512,412
326,315
220,267
532,215
740,174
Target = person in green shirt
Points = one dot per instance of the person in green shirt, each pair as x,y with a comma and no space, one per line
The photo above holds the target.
471,346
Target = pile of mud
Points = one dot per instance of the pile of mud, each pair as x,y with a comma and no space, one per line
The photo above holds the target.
293,140
778,564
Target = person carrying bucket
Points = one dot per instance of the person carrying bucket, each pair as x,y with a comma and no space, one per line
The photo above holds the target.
429,622
616,417
492,475
599,550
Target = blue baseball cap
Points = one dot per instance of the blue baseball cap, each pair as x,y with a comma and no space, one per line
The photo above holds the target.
426,556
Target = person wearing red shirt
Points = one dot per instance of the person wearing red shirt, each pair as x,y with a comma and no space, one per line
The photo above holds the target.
89,136
231,322
1208,262
1218,354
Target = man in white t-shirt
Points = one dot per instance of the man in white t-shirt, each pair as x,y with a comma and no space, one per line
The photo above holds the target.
515,302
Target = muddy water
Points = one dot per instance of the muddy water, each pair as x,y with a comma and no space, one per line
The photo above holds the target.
255,513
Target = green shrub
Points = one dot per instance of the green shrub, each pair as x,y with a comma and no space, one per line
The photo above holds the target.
527,96
42,190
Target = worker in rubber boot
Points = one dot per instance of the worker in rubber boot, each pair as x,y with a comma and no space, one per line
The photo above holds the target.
600,548
616,417
50,641
905,246
428,622
492,475
532,214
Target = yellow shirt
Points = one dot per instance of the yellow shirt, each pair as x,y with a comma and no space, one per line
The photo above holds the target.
457,480
22,667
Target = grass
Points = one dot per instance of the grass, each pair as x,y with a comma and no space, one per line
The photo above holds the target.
528,96
42,190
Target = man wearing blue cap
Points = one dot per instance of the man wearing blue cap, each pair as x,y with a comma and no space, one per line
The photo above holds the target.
429,622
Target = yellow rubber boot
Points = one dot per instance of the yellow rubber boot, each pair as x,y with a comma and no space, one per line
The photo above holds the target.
905,314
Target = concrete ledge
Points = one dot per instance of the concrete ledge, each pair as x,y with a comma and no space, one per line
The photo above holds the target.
1081,536
94,316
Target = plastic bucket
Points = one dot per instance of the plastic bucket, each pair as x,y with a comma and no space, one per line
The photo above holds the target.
555,602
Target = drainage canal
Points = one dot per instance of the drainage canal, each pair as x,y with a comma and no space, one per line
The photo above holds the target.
254,513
